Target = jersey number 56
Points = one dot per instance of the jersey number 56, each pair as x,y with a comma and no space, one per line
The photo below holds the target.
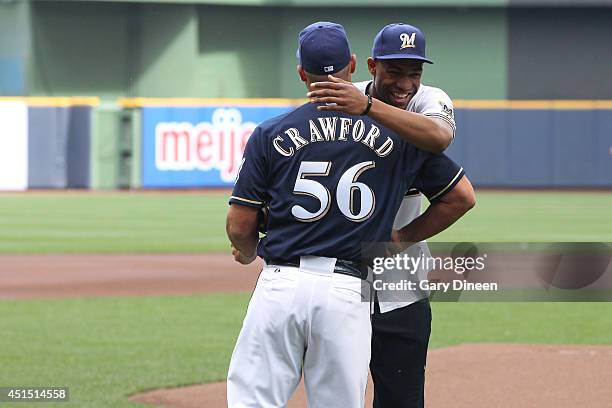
347,186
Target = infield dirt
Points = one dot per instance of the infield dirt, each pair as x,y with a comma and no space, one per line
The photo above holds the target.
471,376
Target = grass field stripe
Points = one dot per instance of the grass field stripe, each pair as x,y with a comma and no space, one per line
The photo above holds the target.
448,185
86,222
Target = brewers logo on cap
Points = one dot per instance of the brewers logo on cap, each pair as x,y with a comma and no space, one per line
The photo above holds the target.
399,41
407,40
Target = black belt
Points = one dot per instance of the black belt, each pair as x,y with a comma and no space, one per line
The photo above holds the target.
343,267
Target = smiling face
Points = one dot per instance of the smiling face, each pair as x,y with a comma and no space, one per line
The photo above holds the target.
396,81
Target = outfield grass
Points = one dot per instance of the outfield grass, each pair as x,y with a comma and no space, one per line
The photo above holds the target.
108,348
194,223
535,216
105,349
35,223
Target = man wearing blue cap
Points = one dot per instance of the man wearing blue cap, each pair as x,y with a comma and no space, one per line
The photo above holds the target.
396,63
422,115
318,175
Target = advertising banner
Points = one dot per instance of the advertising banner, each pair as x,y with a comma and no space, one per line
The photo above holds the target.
13,145
186,147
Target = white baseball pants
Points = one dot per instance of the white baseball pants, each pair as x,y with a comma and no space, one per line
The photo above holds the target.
302,319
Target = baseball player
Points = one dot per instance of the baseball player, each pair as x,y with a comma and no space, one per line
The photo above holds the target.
319,174
422,115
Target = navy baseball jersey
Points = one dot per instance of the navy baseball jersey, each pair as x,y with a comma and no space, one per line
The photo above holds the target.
332,181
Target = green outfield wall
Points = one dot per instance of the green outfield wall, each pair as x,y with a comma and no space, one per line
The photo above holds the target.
170,50
483,49
468,46
79,49
115,147
106,127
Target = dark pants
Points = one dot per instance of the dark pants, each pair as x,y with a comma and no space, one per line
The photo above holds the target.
399,352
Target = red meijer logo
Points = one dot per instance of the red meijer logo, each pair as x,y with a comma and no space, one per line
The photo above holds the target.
205,146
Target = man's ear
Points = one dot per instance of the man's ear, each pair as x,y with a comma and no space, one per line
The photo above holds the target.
353,63
372,66
301,73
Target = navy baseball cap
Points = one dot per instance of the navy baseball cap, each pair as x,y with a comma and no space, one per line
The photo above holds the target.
399,41
323,48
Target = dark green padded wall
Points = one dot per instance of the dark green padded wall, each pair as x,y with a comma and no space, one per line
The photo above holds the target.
171,50
78,49
468,46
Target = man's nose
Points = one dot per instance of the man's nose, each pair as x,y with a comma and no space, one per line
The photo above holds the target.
404,83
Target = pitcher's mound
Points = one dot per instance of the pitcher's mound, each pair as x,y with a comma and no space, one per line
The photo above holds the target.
472,376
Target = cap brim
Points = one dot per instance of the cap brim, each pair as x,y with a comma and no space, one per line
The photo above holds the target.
404,56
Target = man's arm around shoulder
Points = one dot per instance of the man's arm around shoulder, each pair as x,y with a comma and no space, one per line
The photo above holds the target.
427,133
